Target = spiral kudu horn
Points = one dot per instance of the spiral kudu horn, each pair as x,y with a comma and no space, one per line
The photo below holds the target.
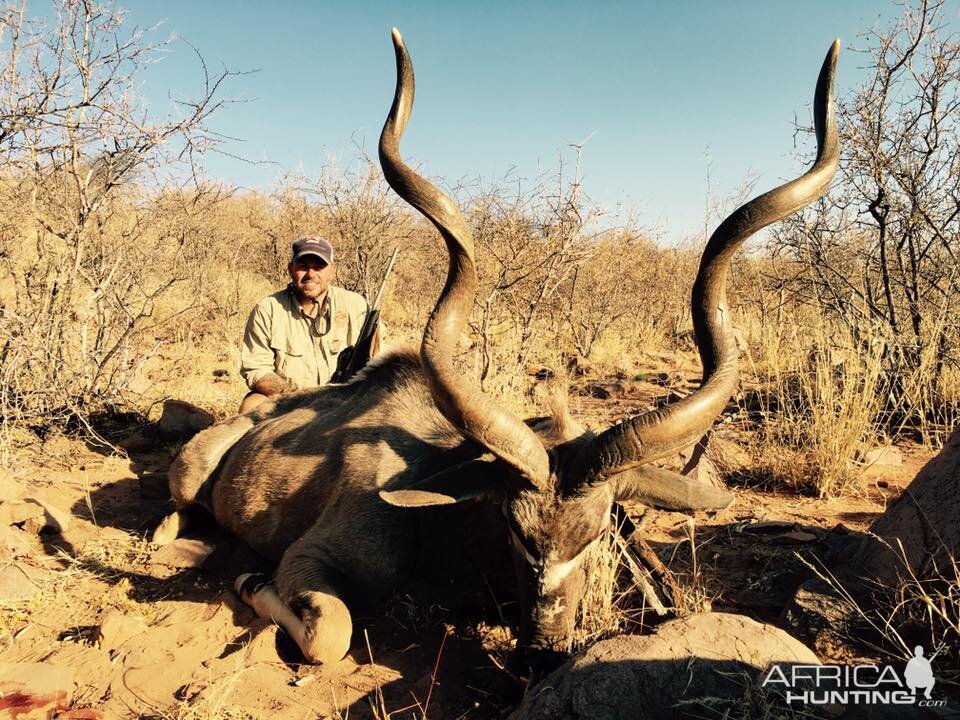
470,411
659,432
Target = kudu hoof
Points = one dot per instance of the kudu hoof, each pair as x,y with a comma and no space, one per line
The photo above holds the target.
322,634
169,529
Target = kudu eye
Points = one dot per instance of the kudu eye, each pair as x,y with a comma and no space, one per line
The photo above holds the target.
523,544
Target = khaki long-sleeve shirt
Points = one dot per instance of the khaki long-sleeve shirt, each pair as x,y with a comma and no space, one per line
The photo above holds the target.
280,338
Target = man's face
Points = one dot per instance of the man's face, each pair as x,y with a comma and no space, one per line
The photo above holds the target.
311,277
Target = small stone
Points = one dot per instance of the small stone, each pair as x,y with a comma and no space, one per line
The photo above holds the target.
10,488
697,462
798,536
13,542
304,680
183,418
17,512
15,584
887,455
116,628
53,519
728,455
41,689
183,553
114,534
820,615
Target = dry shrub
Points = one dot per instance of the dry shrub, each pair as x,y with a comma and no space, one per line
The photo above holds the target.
602,610
925,396
695,595
879,248
819,402
894,619
615,599
86,252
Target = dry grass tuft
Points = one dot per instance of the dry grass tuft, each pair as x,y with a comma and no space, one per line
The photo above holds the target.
754,703
916,610
819,403
616,598
602,612
695,595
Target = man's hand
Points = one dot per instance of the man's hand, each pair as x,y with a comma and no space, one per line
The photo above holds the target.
272,384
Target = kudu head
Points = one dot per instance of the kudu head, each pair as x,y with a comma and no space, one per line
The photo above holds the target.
556,483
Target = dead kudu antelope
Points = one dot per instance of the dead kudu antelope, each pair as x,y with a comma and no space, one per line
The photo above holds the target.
327,482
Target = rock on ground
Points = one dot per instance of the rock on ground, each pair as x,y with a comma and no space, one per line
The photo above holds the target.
715,656
35,514
822,616
886,455
53,518
116,628
10,487
919,533
696,462
183,418
16,585
13,543
17,512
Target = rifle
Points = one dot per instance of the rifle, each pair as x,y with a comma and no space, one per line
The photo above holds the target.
353,358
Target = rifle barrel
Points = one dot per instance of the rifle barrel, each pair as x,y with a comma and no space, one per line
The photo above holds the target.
383,285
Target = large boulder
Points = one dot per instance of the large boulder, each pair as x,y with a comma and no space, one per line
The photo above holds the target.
716,658
918,536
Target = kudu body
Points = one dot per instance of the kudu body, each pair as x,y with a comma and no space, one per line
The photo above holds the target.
323,481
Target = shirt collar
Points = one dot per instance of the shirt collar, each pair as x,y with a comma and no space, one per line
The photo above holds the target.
298,308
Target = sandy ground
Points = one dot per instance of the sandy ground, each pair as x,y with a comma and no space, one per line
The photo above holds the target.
157,632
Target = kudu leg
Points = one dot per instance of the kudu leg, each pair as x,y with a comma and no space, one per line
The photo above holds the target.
321,625
170,528
190,473
304,603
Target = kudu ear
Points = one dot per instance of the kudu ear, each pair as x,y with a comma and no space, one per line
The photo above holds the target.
471,480
668,490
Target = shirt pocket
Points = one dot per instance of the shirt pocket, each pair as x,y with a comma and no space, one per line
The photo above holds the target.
339,337
290,362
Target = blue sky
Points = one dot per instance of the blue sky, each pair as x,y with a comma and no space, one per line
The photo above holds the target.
511,85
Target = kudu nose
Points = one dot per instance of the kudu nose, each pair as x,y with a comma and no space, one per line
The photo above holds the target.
536,663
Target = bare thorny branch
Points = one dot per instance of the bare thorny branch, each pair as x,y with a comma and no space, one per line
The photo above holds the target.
880,251
79,146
